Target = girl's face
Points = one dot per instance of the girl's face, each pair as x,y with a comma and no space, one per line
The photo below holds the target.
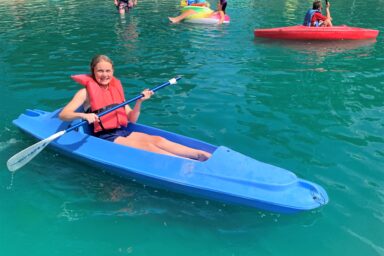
103,72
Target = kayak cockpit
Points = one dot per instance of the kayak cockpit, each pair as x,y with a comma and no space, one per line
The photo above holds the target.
177,138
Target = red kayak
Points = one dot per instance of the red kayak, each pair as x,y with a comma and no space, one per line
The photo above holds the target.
317,33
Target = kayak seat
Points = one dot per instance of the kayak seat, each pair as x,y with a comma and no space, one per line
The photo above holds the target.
86,128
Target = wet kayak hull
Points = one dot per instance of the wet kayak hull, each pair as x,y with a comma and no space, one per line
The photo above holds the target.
317,33
228,176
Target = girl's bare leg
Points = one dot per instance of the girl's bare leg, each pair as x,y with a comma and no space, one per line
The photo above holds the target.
140,141
181,150
181,16
161,145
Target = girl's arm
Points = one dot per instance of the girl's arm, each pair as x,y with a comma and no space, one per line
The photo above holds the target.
69,111
133,114
222,16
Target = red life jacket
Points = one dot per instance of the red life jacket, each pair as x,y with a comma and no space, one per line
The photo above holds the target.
102,99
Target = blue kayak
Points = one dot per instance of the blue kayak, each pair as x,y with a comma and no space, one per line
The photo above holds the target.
228,176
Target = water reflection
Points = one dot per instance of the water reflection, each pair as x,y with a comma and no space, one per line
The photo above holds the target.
291,8
316,52
127,31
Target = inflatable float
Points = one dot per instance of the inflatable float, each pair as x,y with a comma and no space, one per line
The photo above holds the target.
212,19
203,15
301,32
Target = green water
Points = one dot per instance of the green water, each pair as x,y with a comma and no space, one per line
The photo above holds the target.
315,109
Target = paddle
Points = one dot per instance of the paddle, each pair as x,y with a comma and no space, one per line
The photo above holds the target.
23,157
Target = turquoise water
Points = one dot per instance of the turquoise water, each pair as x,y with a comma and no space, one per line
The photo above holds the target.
315,109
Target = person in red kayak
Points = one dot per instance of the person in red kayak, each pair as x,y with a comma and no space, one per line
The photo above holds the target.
314,18
103,91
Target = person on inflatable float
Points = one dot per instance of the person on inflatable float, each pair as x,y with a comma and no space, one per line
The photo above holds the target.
314,18
103,91
221,5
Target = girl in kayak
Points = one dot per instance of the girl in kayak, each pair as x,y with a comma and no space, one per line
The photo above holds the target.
103,90
314,18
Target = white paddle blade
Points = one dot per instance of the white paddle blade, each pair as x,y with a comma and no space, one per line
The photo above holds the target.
23,157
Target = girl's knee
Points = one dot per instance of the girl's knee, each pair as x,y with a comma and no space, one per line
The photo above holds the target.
158,140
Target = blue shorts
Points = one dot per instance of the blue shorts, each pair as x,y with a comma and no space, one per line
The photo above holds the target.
111,135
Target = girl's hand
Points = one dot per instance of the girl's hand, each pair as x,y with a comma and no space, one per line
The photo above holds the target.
146,94
91,118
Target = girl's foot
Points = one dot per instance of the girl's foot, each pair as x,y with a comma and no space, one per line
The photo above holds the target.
203,156
173,20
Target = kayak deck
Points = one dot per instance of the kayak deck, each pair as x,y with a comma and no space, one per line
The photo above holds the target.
317,33
228,176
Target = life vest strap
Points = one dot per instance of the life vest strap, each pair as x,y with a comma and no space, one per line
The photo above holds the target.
104,109
100,111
